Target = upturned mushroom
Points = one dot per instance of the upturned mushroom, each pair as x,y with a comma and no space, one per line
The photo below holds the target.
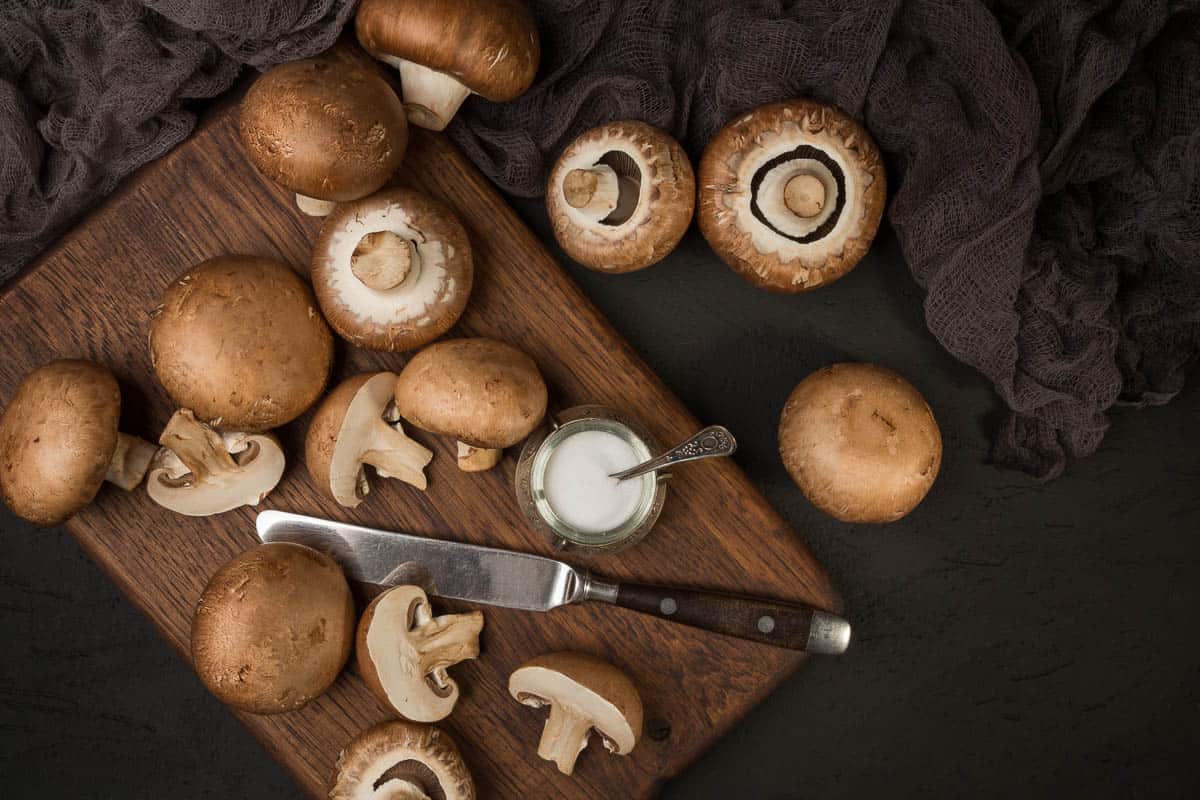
861,442
402,761
273,628
404,651
584,694
240,342
327,130
487,394
357,425
791,195
392,271
621,196
446,50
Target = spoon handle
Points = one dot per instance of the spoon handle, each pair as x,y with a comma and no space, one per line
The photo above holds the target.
713,441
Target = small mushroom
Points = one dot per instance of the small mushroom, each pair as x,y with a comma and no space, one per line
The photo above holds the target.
791,195
621,196
392,271
486,394
448,49
585,694
59,441
861,442
357,425
402,761
239,341
404,651
329,131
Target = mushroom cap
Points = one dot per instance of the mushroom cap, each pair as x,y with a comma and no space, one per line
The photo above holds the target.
744,177
489,46
326,426
482,392
273,628
57,437
325,129
397,751
861,442
426,303
665,202
239,341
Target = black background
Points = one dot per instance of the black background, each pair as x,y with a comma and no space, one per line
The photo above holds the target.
1011,638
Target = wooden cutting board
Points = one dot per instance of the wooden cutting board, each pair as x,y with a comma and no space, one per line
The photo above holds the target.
91,297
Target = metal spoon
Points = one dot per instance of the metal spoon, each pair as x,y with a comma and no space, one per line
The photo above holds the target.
711,442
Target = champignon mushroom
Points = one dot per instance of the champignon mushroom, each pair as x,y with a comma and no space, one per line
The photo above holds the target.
621,196
392,271
239,341
404,651
273,628
861,442
358,425
791,195
486,394
402,761
585,694
448,49
59,441
329,131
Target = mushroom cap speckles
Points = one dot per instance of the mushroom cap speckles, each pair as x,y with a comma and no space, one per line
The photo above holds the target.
421,754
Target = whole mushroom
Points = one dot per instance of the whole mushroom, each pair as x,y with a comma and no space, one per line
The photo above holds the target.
59,442
402,761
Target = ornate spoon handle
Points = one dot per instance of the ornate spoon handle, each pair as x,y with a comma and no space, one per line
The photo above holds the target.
711,442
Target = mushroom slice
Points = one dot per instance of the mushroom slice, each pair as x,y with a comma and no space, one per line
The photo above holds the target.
404,651
445,51
392,271
358,425
621,196
199,472
402,761
791,195
585,694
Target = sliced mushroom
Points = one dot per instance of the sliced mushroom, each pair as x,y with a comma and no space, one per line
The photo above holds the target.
59,442
621,196
358,425
448,49
392,271
404,652
791,195
585,694
402,761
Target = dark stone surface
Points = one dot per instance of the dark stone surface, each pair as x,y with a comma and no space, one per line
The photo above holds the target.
1010,638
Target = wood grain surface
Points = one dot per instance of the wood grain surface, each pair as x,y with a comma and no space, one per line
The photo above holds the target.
91,297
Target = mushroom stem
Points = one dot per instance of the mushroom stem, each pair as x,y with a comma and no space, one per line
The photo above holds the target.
394,455
314,207
197,446
804,195
477,459
444,641
129,461
399,789
564,737
593,191
382,260
431,98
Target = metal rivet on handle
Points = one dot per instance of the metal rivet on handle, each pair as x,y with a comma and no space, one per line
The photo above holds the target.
766,624
668,606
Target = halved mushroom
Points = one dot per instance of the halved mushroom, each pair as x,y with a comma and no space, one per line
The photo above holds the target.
404,651
402,761
448,49
358,425
585,694
392,271
486,394
59,442
327,130
791,195
621,196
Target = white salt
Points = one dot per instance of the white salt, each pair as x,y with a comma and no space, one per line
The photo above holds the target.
578,486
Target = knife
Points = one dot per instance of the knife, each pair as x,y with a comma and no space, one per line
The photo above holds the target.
534,583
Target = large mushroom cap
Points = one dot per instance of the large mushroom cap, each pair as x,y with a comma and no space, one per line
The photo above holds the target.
240,342
401,760
392,271
273,628
791,195
621,196
861,442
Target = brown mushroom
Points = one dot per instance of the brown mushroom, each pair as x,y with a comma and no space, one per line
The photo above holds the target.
59,441
585,694
329,131
402,761
791,195
448,49
392,271
861,442
240,342
273,628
